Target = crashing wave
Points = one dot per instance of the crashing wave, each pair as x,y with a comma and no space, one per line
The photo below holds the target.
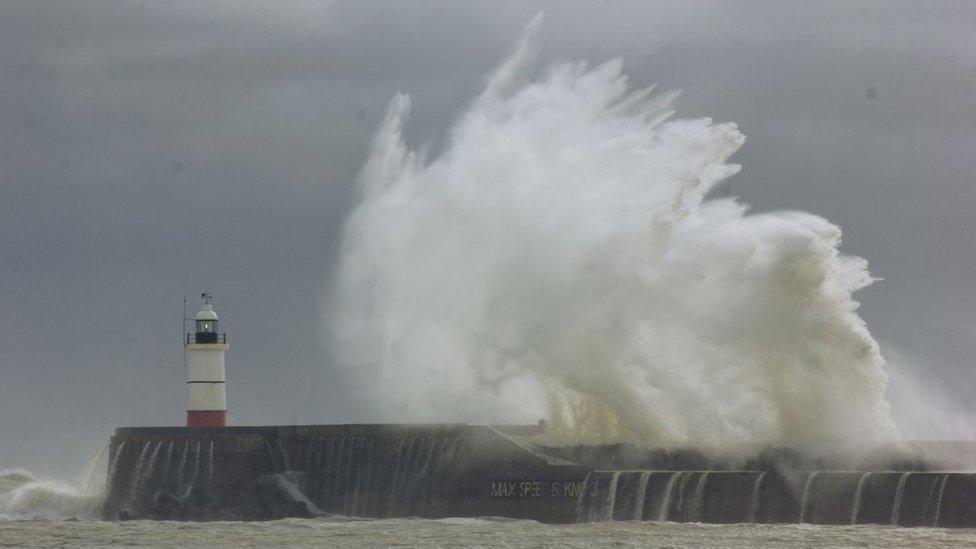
563,256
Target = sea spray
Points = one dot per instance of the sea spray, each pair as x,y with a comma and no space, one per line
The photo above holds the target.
137,473
427,467
899,497
363,461
11,479
48,500
90,484
682,488
928,511
941,499
186,480
210,464
196,467
562,256
338,477
698,500
858,496
611,502
24,497
663,510
405,444
351,476
328,462
113,466
756,493
151,467
805,500
641,494
364,471
169,461
180,471
582,509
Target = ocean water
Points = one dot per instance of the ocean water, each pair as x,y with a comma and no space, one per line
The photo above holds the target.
56,513
464,532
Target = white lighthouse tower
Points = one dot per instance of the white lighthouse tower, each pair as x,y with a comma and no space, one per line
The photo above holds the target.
207,402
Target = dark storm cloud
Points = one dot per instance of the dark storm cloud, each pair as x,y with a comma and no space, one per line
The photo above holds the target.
149,150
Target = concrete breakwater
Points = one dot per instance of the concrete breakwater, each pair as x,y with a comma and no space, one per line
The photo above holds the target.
258,473
826,497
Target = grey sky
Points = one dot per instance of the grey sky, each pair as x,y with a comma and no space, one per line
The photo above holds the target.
154,149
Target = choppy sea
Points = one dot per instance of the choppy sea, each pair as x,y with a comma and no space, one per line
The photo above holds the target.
464,532
52,513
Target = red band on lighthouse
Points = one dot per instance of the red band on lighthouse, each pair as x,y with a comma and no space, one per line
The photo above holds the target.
206,418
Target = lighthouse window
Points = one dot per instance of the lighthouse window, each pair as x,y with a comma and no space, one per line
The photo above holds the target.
206,326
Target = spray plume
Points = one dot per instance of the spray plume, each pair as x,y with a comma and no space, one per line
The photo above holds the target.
562,258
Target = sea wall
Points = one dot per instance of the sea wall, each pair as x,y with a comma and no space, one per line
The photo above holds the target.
260,473
820,497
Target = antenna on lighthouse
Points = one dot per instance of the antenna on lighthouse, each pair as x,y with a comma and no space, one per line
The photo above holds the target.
184,339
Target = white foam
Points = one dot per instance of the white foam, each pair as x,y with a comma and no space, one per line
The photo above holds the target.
561,258
48,499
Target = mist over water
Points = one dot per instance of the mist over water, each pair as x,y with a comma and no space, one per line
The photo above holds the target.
563,257
22,496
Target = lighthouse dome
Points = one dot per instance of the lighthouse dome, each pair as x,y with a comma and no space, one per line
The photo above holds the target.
206,323
206,312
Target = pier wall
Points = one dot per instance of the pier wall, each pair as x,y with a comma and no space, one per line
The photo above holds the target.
261,473
358,470
820,497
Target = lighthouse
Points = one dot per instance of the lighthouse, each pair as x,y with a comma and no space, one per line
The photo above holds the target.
207,402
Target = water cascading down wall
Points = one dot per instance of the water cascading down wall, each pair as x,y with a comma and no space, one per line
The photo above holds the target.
826,497
258,473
